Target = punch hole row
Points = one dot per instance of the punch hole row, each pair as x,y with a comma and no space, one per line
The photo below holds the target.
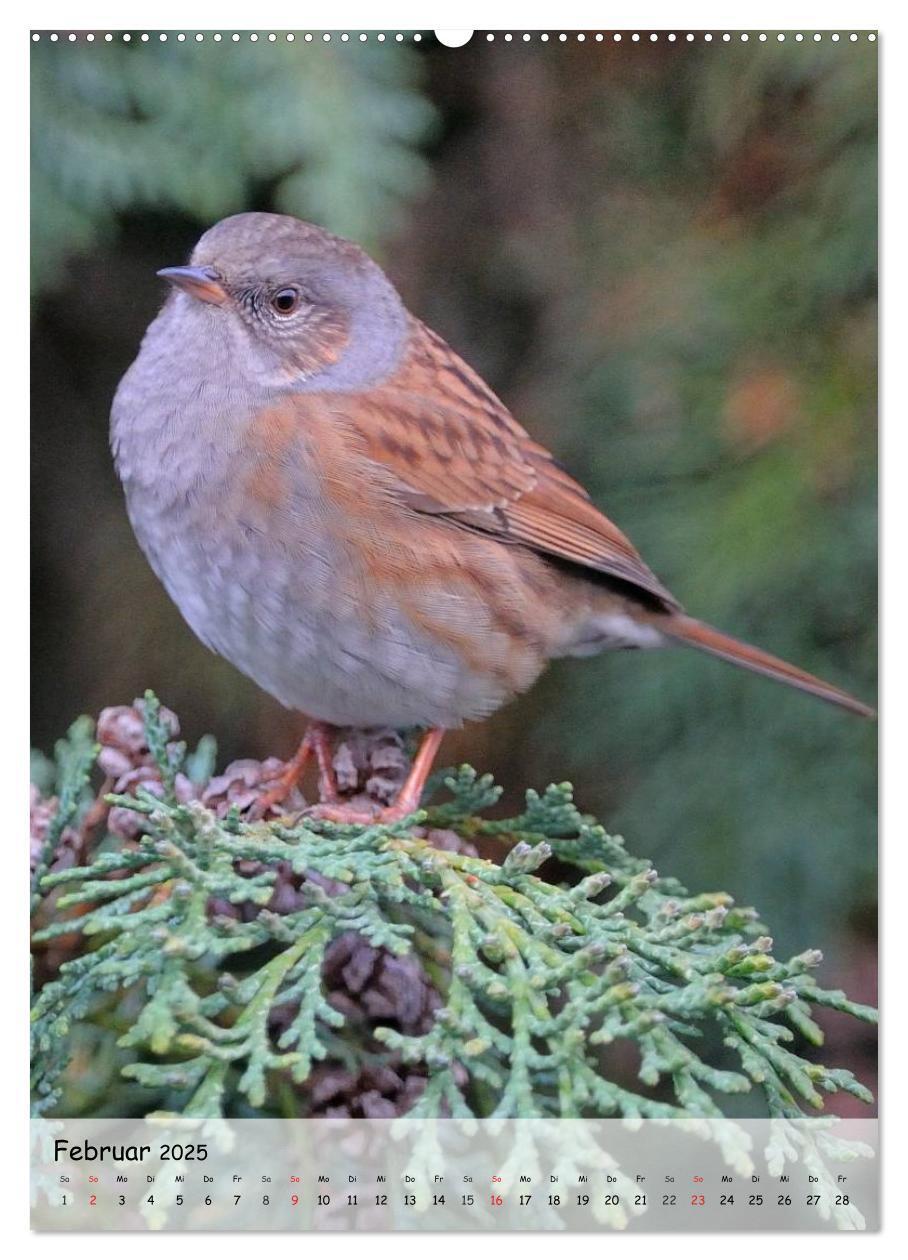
236,37
381,37
672,37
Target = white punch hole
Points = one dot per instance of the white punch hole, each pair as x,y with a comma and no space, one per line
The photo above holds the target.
453,39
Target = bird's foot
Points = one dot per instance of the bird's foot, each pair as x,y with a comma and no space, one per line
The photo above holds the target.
408,798
355,816
316,742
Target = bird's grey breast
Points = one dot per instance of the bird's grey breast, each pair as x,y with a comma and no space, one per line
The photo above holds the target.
179,433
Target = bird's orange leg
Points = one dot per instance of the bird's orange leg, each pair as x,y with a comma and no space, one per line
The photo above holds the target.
408,797
316,742
321,734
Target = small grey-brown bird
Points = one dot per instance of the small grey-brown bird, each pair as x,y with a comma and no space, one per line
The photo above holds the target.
343,508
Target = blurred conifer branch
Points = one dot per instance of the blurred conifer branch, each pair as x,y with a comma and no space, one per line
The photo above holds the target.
193,128
208,948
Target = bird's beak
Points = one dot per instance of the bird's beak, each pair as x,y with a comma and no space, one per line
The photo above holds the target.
203,283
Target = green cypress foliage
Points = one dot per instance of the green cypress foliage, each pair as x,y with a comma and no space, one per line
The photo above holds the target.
541,977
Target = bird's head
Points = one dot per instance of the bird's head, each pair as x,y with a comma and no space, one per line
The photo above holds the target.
301,305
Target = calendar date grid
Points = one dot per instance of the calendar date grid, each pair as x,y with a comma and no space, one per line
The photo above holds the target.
443,1175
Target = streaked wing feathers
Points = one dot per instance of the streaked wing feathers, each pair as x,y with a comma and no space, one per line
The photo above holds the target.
454,450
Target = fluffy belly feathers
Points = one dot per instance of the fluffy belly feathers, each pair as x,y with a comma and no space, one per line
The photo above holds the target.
320,634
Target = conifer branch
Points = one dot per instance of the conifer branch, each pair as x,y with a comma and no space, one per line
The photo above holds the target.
205,940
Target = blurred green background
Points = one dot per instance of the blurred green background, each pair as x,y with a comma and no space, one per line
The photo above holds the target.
663,257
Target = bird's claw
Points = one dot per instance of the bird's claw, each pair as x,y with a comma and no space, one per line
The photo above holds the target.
355,815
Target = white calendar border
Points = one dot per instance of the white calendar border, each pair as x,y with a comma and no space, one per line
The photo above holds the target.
773,15
770,15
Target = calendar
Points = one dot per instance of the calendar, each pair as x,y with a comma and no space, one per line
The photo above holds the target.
450,1175
391,389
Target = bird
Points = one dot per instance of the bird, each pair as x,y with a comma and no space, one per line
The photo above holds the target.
345,510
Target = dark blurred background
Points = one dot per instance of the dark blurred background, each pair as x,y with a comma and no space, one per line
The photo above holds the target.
663,257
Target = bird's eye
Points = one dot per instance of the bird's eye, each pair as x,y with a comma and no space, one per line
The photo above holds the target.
286,301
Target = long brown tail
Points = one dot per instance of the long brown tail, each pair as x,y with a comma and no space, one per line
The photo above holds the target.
699,635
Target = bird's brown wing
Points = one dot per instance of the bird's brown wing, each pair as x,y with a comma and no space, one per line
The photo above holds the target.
454,450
